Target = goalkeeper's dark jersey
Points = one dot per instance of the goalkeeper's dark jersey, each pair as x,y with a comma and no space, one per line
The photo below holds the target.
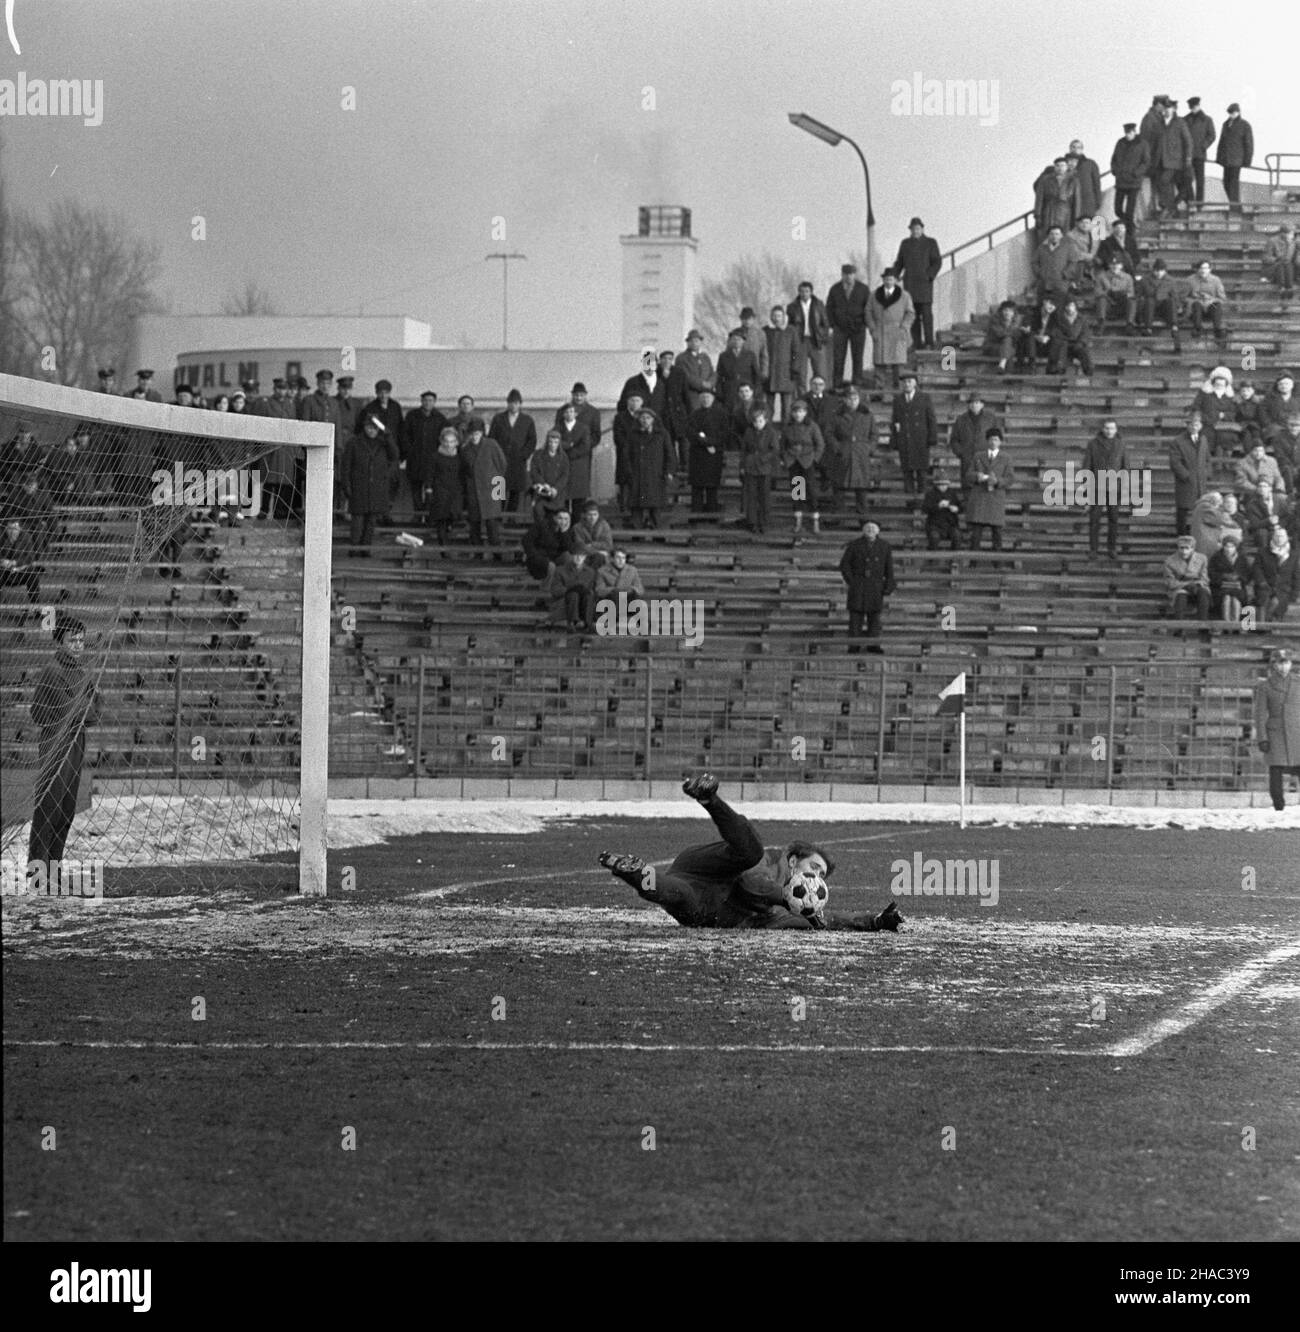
749,900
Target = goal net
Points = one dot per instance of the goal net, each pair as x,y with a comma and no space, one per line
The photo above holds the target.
164,644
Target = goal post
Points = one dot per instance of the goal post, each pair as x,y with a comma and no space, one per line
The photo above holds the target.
205,619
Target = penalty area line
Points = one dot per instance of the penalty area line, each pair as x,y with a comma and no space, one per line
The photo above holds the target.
1238,980
630,1047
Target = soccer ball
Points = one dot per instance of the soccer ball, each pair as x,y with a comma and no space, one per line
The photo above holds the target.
806,895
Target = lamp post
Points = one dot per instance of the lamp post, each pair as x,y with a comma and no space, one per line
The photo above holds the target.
505,292
835,138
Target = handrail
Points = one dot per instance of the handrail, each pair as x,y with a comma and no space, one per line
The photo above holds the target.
1273,165
1022,223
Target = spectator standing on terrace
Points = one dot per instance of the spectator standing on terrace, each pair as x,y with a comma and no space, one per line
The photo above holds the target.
1158,298
282,498
421,431
867,567
677,409
516,432
626,423
855,433
736,366
1280,260
914,431
1202,130
649,468
918,265
548,473
809,320
1250,419
760,457
751,334
1236,150
368,462
1187,581
144,381
388,412
107,381
706,437
1053,266
802,446
846,309
1277,723
1232,580
444,489
968,432
697,370
990,478
350,408
321,406
782,382
1172,160
1056,198
648,384
464,415
1150,130
1206,299
483,470
587,414
1189,460
1105,454
1087,177
890,316
1130,161
576,444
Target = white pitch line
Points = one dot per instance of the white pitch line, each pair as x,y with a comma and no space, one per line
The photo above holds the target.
1239,979
524,876
562,1046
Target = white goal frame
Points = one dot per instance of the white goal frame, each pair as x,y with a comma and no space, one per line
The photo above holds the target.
317,438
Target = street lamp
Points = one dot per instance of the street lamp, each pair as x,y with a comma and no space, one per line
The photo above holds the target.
835,138
505,292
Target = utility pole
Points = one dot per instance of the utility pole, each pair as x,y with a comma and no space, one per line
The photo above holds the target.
505,293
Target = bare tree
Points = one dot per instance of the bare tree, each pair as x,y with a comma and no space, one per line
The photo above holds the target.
761,281
12,360
253,300
80,281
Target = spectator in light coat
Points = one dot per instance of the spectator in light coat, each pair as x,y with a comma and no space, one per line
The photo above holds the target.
889,317
1187,582
483,464
989,479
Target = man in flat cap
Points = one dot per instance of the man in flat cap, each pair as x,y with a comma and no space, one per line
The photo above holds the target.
349,407
253,400
1203,133
1130,161
587,414
107,381
846,308
1150,129
1172,160
917,266
144,387
322,405
386,409
1236,150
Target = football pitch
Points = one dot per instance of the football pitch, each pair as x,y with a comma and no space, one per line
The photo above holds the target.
489,1037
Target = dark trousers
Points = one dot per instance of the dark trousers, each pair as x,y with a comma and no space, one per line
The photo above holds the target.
811,492
1183,603
923,325
644,517
1276,772
1150,309
362,529
757,499
56,806
941,533
855,344
1109,303
914,479
579,603
704,499
1232,184
1063,352
493,526
279,499
1168,188
1198,179
873,624
1094,529
1182,519
977,535
1126,205
1213,312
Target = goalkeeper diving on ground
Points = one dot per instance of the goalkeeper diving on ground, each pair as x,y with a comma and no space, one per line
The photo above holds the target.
736,884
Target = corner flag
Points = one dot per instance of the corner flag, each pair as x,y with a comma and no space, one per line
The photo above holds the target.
952,698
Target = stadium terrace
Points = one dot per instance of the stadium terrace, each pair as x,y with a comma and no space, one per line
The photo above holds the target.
53,97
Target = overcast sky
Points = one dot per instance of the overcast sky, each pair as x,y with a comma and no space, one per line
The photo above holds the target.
537,113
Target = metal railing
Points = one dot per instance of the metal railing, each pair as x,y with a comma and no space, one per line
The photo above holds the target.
830,717
1273,165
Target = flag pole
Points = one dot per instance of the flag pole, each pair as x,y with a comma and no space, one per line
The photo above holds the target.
962,768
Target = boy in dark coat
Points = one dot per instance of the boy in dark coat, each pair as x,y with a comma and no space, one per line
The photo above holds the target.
760,456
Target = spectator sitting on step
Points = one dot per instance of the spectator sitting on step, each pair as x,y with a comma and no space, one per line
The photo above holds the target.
592,535
1069,340
1232,580
1283,442
573,591
67,472
444,491
619,575
1262,514
1277,577
1120,244
1207,523
1207,300
1249,416
1116,294
1082,240
1281,402
1280,260
548,473
19,562
1004,336
1158,298
1036,344
1217,404
1187,582
942,509
1257,467
31,505
547,541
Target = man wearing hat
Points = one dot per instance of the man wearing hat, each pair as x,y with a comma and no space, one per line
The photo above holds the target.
349,407
322,405
107,381
989,479
1130,161
1236,150
1187,581
846,309
253,400
1202,130
421,434
144,380
63,705
918,265
368,460
890,316
1087,177
649,469
648,384
696,370
1277,722
384,407
1171,160
589,415
914,431
751,332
